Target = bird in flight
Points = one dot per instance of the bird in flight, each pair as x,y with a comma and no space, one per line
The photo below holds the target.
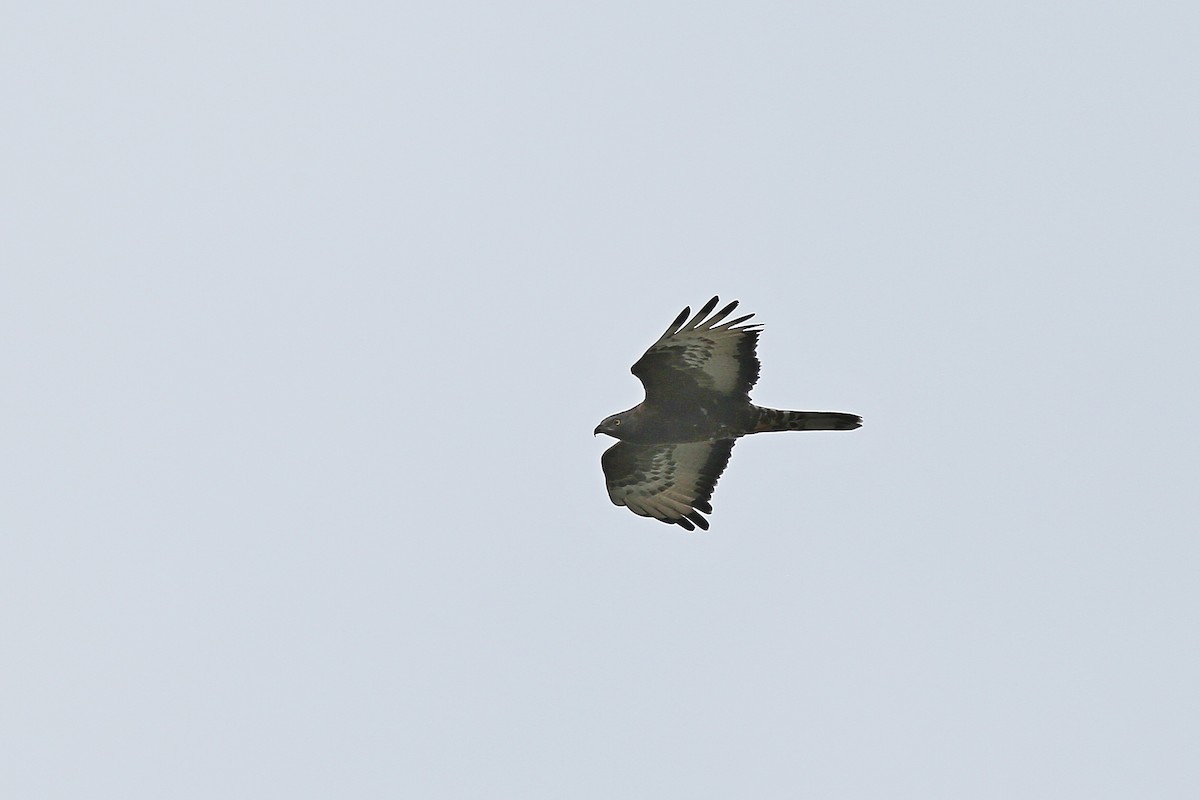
675,444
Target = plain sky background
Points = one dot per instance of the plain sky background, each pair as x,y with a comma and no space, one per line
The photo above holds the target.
308,312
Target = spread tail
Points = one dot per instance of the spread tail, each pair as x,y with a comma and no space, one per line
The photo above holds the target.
773,419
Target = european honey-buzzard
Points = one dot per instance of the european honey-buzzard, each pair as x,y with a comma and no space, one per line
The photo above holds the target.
675,444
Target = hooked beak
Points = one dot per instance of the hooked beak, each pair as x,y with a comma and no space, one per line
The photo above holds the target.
596,432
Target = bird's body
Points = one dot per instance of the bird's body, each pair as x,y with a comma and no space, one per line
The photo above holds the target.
675,444
708,418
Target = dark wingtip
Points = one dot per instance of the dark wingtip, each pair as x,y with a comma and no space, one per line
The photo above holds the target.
691,520
682,318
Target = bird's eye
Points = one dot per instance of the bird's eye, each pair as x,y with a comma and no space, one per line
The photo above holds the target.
616,422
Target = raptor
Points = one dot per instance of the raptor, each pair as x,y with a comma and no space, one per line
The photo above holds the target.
676,443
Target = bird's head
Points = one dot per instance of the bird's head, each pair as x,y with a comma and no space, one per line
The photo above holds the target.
618,425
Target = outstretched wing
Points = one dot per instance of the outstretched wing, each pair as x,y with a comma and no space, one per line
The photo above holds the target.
700,355
670,482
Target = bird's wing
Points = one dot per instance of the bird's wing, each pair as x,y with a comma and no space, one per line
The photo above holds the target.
670,482
699,354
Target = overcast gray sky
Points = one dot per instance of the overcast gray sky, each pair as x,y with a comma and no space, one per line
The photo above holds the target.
308,312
